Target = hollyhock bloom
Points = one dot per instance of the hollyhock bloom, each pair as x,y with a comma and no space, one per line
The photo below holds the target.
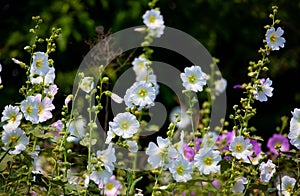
40,64
124,125
256,150
193,78
209,139
110,136
184,119
153,19
108,158
87,84
68,100
76,129
267,170
287,186
220,86
140,66
294,134
140,94
112,187
116,98
58,126
206,161
157,32
101,176
15,139
264,90
11,116
160,152
278,139
45,107
30,109
132,146
51,91
239,187
225,140
189,152
240,148
181,169
274,39
50,76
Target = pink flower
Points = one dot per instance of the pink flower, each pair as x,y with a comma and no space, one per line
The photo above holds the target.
278,139
112,187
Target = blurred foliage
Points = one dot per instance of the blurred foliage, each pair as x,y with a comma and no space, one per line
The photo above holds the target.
231,30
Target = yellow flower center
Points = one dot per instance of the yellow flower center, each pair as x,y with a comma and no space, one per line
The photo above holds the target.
40,109
192,79
289,189
273,38
13,139
180,169
38,63
29,109
239,148
152,19
13,117
109,186
142,93
208,160
124,125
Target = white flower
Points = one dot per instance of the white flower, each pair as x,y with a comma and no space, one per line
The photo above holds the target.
12,116
220,85
240,148
50,76
40,63
87,84
132,146
124,125
206,161
140,94
51,91
30,109
209,139
15,139
294,134
112,187
263,90
110,136
287,186
267,170
76,129
107,158
68,99
181,169
193,78
274,39
157,153
153,19
45,107
239,187
157,32
116,98
184,119
100,176
140,66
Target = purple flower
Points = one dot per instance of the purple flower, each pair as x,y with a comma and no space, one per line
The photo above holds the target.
278,139
255,147
188,152
225,139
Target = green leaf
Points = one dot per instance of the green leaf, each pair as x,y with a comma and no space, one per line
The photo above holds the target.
225,165
5,160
